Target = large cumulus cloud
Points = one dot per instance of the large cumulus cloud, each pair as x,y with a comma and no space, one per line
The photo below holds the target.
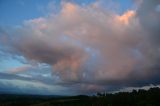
89,47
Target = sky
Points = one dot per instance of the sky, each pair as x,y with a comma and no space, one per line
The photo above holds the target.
71,47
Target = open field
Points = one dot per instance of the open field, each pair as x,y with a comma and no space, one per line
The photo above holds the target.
134,98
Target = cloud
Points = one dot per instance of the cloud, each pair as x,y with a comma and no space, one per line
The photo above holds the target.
149,18
20,69
11,83
125,17
27,87
89,47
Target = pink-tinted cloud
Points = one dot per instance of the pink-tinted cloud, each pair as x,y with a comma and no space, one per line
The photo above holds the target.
19,69
90,45
126,16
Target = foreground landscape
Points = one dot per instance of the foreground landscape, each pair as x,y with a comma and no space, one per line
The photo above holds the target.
135,98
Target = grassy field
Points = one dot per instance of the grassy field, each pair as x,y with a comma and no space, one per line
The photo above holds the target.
134,98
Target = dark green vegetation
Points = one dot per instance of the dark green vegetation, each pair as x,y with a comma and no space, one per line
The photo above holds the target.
134,98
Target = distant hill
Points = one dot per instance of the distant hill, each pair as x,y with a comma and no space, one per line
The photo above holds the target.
141,97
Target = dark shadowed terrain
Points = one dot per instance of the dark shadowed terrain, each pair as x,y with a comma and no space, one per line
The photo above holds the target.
141,97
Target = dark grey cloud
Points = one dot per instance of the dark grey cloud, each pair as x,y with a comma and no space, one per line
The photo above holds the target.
149,17
22,85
